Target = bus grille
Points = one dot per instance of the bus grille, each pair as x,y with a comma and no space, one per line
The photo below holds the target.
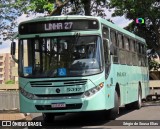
54,83
58,95
68,107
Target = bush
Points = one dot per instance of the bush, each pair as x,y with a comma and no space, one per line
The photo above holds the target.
10,82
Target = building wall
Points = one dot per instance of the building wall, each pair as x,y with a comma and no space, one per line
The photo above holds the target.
6,65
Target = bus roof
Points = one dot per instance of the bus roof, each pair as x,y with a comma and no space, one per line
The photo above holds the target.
103,21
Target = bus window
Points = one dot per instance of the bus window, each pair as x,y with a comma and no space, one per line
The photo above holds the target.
113,38
26,54
126,41
142,52
139,48
120,41
105,33
131,45
134,45
106,56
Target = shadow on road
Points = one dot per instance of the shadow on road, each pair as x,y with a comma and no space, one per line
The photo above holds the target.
77,120
82,119
151,103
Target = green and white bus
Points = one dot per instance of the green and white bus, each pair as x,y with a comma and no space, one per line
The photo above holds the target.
79,64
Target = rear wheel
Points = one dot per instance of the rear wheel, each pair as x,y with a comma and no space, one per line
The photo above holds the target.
138,103
113,113
48,117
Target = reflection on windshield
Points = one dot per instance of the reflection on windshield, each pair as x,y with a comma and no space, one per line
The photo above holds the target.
60,56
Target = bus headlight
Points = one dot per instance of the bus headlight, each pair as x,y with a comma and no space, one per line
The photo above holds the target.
26,94
93,90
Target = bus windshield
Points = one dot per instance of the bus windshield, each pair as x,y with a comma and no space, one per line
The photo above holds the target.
70,55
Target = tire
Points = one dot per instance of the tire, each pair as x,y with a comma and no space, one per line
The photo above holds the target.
138,103
48,117
113,113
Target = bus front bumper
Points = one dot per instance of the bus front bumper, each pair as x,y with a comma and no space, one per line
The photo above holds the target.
93,103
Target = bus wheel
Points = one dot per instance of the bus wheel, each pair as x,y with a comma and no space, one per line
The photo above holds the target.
138,103
48,117
113,113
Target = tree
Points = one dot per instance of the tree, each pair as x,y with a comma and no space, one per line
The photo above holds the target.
147,9
84,7
11,9
10,82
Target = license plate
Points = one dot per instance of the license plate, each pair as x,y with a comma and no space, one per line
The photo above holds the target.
74,89
58,105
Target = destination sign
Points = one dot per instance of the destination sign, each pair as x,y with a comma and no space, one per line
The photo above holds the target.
57,26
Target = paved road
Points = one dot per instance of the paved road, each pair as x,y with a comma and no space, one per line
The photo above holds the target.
150,111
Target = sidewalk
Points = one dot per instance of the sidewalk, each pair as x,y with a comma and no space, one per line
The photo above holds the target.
13,115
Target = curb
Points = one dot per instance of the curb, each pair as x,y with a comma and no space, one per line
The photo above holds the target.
14,114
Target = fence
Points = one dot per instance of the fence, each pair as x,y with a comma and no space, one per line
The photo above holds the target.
9,97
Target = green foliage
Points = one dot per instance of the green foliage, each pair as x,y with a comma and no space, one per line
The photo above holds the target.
40,6
11,9
147,9
153,65
10,82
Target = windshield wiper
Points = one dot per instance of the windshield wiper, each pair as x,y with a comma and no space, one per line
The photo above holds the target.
77,35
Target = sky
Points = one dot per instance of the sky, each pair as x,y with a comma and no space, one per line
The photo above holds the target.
120,21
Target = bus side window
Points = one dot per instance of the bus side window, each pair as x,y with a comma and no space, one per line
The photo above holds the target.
113,38
126,41
139,53
114,46
106,57
122,58
105,32
131,45
120,41
132,52
134,46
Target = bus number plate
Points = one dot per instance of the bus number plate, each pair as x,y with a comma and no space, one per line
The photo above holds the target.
58,105
78,89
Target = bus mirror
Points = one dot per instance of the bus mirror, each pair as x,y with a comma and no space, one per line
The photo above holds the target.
13,48
13,51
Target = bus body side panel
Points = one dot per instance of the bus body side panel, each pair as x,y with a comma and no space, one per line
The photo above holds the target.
128,78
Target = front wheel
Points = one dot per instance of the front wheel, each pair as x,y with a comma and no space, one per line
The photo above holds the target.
48,117
113,113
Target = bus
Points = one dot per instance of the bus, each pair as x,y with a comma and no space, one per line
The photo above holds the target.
71,64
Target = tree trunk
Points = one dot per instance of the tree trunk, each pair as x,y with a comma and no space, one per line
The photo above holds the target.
58,9
87,8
